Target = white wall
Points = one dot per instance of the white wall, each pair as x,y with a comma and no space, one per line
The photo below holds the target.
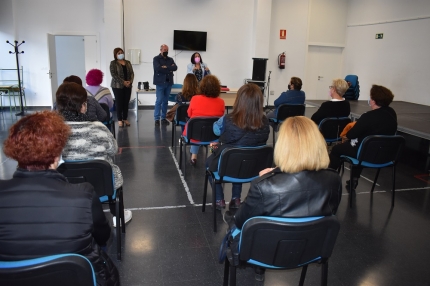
399,61
32,21
290,15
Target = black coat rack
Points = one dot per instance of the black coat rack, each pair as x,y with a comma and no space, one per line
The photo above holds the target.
16,45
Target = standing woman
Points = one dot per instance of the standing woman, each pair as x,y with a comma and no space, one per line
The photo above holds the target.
122,80
197,67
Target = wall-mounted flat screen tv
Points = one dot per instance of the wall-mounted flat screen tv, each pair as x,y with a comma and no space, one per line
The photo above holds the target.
189,40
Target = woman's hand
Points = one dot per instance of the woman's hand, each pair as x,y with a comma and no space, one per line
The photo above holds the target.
127,83
195,68
265,171
206,69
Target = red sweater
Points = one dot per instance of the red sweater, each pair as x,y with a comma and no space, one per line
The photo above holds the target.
201,105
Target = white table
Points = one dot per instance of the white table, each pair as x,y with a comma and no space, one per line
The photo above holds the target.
228,96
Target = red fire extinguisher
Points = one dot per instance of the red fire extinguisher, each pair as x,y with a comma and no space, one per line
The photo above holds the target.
281,61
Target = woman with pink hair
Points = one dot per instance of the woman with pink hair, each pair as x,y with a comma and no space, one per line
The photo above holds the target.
94,89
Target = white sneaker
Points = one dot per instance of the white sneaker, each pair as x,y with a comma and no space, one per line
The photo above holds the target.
127,217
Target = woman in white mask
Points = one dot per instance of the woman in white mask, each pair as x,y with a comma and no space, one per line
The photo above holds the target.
122,80
197,67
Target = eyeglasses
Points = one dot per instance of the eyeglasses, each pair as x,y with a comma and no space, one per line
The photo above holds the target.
331,87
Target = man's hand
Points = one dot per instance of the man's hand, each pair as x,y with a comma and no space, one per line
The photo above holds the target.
164,67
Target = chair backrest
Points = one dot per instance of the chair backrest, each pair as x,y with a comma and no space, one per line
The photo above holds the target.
286,242
96,172
290,110
244,162
353,92
381,149
332,127
201,129
181,114
64,270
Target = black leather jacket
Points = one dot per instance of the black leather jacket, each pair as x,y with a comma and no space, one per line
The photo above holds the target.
303,194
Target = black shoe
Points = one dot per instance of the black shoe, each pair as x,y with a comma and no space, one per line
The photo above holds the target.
354,184
234,203
157,122
165,122
193,162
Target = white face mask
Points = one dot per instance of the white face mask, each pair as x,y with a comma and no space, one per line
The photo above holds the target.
61,161
120,56
368,102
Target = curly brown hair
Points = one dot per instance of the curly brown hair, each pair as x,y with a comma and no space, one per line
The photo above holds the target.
70,96
210,86
248,111
190,87
381,95
36,140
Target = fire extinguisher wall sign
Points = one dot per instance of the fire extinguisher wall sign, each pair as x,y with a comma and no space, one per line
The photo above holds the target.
281,61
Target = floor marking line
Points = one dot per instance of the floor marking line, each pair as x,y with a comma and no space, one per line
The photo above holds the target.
151,208
367,179
187,190
397,190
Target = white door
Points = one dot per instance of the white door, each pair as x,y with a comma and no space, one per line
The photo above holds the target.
70,53
323,65
52,66
91,53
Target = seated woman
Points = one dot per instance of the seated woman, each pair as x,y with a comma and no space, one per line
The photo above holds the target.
205,103
94,110
102,94
337,106
245,126
197,67
300,185
381,120
46,215
88,139
189,89
294,95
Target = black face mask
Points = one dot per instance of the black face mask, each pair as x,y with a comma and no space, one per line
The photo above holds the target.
165,54
289,87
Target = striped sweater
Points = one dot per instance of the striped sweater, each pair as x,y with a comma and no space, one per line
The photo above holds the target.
92,140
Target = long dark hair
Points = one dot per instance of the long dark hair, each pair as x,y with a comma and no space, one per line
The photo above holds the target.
248,111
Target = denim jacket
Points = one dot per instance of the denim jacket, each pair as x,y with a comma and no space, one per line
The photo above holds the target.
163,75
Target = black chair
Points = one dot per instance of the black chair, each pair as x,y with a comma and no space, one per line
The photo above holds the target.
63,269
99,174
285,111
199,132
109,123
376,151
284,243
331,128
179,120
237,165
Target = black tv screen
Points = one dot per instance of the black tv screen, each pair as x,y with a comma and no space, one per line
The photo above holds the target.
189,40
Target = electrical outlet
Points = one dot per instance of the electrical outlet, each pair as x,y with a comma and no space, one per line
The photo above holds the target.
379,36
272,92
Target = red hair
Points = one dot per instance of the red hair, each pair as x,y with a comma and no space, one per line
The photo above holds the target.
36,140
94,77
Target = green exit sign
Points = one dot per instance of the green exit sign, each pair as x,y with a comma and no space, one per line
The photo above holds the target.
379,36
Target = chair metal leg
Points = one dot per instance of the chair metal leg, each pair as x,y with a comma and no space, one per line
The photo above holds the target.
376,179
118,230
273,136
324,273
232,276
214,203
350,187
303,275
393,191
121,201
173,132
180,153
113,129
226,272
205,191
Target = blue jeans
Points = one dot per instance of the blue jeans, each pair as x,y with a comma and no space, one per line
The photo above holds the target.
162,93
219,192
194,149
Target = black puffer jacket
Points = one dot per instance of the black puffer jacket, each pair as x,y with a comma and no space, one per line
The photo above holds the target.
302,194
42,214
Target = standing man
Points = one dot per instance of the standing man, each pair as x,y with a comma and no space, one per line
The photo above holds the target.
164,67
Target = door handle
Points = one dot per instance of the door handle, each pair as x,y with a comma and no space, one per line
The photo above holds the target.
50,74
320,77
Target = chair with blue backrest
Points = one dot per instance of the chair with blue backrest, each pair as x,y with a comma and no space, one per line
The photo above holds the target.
199,132
109,123
99,174
54,270
331,128
285,111
376,151
179,120
353,92
172,96
237,165
284,243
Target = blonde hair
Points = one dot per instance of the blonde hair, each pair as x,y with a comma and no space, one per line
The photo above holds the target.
300,146
340,85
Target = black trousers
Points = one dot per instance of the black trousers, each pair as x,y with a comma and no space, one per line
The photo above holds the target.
347,150
122,98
